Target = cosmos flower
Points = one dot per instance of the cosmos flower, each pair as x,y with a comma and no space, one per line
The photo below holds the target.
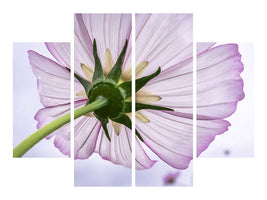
163,41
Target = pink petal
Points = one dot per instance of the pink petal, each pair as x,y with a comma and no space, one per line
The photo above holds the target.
95,26
53,80
175,87
49,114
181,73
207,130
163,39
60,51
142,161
119,150
204,46
85,136
83,48
168,136
219,88
62,142
219,85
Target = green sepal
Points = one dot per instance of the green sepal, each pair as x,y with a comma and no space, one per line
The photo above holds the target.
104,122
86,84
141,106
98,74
127,107
126,89
138,135
141,82
115,72
125,120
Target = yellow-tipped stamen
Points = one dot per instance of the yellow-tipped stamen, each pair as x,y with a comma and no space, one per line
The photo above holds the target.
90,114
109,62
146,97
140,117
88,71
140,67
126,74
116,127
81,94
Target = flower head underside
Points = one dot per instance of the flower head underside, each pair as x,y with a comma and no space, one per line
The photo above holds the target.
116,88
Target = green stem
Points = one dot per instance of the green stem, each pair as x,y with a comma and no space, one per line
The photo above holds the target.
41,133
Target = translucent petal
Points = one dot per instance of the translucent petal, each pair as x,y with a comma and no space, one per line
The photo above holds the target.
98,26
53,80
219,88
207,131
119,150
219,85
60,51
163,39
170,139
86,131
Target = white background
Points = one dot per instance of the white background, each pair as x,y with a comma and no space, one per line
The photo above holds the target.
219,178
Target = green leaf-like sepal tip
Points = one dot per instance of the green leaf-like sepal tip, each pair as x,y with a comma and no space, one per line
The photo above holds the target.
126,87
115,73
141,106
116,95
98,75
104,122
141,82
86,84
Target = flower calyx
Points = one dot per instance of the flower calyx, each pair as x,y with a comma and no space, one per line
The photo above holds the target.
117,92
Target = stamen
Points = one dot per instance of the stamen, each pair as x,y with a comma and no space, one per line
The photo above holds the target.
142,118
114,84
140,67
146,97
126,74
109,62
90,114
129,115
81,94
117,127
88,71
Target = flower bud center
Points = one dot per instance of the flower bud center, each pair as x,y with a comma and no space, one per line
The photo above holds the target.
115,99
